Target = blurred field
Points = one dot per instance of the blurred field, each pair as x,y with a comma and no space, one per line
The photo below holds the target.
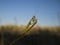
38,35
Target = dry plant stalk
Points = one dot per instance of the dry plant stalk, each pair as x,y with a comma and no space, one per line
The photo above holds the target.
31,23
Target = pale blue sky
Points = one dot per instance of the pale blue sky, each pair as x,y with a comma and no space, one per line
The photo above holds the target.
23,10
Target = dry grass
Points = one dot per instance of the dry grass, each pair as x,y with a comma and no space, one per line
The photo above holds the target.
20,29
40,31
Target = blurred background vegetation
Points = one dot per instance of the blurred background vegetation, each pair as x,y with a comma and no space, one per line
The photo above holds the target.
38,35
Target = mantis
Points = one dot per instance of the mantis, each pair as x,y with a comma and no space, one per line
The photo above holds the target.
31,23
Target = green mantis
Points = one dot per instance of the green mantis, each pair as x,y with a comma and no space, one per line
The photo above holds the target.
31,23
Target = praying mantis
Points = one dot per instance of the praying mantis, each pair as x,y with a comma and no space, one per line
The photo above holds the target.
31,23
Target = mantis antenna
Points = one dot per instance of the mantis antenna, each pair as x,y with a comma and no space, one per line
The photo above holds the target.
31,23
